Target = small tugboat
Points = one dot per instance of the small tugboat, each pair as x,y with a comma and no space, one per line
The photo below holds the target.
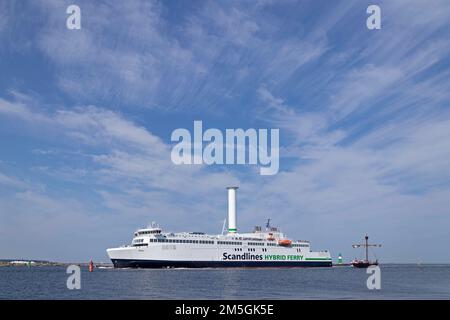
365,263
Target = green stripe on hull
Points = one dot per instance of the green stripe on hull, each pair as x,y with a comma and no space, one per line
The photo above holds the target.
317,259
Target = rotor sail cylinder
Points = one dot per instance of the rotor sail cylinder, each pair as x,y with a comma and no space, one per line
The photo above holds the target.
232,225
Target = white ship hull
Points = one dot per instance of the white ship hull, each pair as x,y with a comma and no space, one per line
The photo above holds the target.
161,255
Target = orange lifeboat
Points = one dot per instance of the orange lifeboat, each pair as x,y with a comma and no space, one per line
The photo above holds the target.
285,242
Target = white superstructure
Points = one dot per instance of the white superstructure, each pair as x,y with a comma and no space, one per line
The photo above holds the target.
153,248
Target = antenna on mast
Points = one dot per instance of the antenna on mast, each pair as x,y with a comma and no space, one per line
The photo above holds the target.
268,224
223,226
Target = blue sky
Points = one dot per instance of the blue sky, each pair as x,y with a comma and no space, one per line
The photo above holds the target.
86,117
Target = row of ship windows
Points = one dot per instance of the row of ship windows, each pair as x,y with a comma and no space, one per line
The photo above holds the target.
236,243
251,249
256,243
149,232
182,241
235,249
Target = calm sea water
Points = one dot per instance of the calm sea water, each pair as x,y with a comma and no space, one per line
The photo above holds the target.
397,282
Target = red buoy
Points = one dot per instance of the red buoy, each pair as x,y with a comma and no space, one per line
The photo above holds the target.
91,266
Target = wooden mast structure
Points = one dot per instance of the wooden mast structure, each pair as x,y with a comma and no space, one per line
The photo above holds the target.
365,245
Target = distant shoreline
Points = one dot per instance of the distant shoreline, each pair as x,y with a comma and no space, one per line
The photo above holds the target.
45,263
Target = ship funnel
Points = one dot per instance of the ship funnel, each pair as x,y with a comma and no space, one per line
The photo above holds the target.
232,228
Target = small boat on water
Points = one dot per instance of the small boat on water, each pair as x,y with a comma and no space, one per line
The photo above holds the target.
363,263
359,263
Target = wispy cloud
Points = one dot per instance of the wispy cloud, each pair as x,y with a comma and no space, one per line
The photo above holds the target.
129,173
363,118
11,182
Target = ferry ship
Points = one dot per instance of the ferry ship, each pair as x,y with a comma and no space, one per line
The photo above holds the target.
153,248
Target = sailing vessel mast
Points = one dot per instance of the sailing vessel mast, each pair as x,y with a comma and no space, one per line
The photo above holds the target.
365,263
